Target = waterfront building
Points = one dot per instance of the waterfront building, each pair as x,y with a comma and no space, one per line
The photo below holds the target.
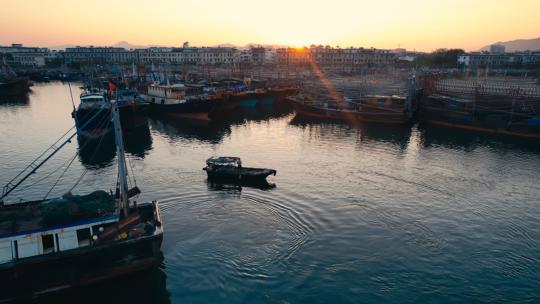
326,56
257,55
485,59
18,55
93,54
187,55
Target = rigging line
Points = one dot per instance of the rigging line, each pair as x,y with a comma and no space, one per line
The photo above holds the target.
61,175
43,178
91,159
71,95
55,170
132,171
43,153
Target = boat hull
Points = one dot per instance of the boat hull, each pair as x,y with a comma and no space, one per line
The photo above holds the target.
93,123
37,276
196,110
266,100
486,120
15,87
239,175
493,124
380,116
133,116
245,100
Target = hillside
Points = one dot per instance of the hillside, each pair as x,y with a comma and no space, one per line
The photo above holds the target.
518,45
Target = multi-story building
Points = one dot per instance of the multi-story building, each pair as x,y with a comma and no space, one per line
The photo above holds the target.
186,55
257,55
18,55
19,48
326,56
484,59
93,54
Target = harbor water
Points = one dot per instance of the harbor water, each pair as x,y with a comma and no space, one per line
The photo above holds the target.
370,214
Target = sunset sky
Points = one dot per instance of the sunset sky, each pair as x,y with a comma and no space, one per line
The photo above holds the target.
414,24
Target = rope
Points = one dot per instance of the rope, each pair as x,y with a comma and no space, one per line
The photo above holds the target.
43,153
60,177
86,170
132,171
71,95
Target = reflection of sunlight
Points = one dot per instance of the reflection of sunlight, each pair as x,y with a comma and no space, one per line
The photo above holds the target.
414,145
334,95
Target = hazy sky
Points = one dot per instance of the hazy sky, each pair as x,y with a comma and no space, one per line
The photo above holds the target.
413,24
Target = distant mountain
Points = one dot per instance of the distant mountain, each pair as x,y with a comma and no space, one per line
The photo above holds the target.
518,45
127,45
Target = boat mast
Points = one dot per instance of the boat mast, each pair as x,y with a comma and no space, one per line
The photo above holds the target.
123,203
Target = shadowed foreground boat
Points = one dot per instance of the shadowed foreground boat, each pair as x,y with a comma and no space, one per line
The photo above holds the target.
229,169
52,245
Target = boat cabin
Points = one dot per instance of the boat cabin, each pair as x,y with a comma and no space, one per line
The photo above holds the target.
224,161
93,99
67,223
128,96
161,93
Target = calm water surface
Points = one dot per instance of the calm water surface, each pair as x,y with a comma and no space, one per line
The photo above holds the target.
370,215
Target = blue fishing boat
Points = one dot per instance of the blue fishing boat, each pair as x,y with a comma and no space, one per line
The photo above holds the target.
52,245
93,115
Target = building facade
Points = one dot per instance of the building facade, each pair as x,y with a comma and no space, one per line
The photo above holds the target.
18,55
100,55
326,56
186,55
477,59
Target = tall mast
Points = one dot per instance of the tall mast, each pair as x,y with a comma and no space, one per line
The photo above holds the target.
123,202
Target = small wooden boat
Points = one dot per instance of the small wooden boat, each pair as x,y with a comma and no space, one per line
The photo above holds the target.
230,169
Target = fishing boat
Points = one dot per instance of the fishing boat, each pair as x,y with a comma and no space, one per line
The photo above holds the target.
10,83
52,245
15,86
245,99
515,117
173,101
281,92
93,115
374,109
230,169
133,109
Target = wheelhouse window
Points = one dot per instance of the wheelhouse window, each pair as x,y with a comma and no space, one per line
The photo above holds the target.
47,242
83,237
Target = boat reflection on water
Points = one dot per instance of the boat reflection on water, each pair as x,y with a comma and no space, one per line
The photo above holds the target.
174,129
96,153
465,140
144,287
263,112
227,186
395,134
15,100
138,141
